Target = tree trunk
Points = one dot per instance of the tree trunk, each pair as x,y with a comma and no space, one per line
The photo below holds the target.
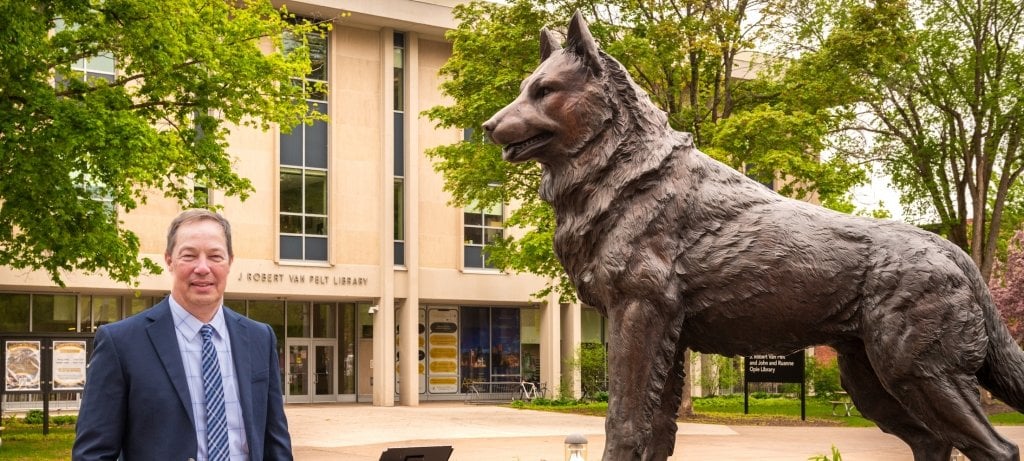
686,404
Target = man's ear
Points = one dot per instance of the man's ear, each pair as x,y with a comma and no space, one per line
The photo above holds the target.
548,44
582,44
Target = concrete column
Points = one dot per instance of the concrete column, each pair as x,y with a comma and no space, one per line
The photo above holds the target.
694,374
384,319
409,390
572,334
550,344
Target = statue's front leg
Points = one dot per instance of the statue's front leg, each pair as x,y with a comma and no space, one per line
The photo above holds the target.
664,426
641,352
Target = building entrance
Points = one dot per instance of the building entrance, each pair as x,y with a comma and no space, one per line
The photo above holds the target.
312,369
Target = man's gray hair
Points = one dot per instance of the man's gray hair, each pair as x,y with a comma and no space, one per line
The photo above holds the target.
193,215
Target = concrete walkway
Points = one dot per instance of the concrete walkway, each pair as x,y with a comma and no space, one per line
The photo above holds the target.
360,432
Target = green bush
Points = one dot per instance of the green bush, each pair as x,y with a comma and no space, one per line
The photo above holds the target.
824,378
593,369
34,417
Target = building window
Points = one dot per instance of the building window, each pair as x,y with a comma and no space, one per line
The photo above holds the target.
399,140
304,170
14,312
481,227
54,313
102,66
99,310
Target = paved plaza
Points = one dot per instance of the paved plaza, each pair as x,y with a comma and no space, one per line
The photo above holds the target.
360,432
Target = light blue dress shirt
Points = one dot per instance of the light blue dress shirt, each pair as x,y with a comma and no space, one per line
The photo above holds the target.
190,343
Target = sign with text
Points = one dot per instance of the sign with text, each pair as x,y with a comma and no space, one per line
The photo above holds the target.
69,364
24,366
770,368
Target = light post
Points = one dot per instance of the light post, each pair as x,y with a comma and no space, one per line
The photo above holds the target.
575,448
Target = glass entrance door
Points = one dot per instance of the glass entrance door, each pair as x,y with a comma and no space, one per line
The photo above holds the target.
298,375
312,370
325,370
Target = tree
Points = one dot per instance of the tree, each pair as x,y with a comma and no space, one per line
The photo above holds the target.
682,53
80,142
939,83
1007,287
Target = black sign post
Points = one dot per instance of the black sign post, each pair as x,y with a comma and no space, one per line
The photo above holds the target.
768,368
43,363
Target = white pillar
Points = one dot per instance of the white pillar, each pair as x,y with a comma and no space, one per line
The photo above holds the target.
572,334
550,344
408,363
384,319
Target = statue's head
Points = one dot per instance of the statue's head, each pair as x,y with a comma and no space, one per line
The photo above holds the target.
562,105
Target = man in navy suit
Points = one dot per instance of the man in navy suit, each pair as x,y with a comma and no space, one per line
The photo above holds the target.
144,396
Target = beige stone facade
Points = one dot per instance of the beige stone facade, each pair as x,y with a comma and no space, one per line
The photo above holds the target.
325,307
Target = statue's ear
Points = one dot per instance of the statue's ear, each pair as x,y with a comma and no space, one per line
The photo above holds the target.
548,44
582,44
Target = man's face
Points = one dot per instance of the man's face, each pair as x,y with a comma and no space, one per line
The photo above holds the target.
200,264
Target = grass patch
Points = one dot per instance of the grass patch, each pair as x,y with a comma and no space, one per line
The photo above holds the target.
24,441
770,410
773,410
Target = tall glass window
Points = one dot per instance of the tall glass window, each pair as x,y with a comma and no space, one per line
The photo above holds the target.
99,310
14,312
303,182
348,314
481,227
399,153
54,313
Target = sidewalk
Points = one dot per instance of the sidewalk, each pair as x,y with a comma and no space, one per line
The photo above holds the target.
360,432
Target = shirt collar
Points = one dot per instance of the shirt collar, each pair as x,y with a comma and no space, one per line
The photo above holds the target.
189,325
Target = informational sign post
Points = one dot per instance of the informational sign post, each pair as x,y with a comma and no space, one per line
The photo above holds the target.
43,363
769,368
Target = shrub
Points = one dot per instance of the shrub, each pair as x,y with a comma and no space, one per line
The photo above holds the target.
824,378
34,417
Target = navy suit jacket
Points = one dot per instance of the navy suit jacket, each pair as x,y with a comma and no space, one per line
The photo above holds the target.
136,403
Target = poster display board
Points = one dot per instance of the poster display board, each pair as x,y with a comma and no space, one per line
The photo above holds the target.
44,363
69,361
443,351
24,365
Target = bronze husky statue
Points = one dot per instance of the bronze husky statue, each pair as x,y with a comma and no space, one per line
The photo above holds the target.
679,250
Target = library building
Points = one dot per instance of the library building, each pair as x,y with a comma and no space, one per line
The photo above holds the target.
348,247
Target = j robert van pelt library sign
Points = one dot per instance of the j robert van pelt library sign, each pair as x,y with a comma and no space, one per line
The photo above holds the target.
769,368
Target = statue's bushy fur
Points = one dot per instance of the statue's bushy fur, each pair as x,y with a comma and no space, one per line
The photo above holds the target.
680,251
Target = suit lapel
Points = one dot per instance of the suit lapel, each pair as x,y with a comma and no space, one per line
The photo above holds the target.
163,336
242,351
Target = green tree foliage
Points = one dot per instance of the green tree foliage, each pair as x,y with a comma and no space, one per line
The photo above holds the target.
939,85
76,148
823,377
683,54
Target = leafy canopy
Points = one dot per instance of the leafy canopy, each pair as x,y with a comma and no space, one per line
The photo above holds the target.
938,85
683,54
76,148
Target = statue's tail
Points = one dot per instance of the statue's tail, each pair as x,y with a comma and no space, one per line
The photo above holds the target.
1003,371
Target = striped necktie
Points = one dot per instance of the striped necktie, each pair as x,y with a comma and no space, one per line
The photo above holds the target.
216,421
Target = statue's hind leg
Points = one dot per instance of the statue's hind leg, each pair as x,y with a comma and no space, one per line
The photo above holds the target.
876,404
664,426
934,383
641,347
